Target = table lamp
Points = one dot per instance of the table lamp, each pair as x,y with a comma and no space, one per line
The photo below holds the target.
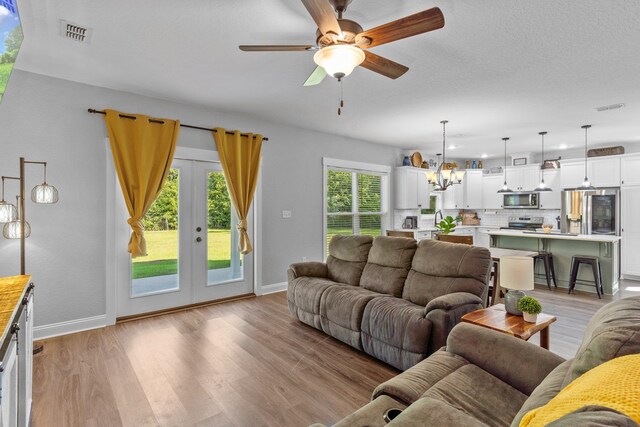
516,275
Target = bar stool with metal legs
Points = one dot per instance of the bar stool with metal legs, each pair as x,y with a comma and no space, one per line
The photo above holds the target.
549,268
594,262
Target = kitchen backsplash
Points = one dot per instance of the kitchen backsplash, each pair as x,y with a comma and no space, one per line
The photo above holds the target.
490,218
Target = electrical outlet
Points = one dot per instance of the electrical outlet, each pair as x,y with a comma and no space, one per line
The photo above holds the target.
286,214
304,259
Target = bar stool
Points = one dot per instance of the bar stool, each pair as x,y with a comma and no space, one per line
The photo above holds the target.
549,268
594,262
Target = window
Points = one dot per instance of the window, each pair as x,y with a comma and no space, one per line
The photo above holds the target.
355,199
435,203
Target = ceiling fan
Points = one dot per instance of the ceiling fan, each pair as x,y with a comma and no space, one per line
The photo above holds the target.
342,45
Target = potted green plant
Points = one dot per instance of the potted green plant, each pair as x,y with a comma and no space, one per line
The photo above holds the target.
530,308
447,225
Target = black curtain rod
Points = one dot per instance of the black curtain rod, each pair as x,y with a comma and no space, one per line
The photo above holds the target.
124,116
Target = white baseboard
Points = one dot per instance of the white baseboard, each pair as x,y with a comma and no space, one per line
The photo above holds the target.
69,327
273,288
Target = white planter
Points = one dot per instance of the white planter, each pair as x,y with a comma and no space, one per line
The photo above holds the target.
531,318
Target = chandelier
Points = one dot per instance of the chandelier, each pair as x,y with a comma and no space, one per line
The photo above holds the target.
445,176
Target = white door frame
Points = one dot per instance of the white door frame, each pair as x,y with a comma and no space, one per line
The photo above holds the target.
112,255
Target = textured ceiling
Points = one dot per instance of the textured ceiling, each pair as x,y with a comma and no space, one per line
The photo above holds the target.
498,67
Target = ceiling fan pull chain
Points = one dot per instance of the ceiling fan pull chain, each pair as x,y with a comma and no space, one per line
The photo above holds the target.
341,100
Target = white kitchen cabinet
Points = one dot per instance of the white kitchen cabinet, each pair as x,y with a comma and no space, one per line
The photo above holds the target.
412,188
9,384
472,190
630,250
630,171
467,195
551,199
491,199
523,178
25,360
451,197
601,171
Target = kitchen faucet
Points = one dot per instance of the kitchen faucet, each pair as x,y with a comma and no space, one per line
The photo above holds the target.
435,217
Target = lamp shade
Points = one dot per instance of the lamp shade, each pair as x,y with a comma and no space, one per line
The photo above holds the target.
44,193
8,212
339,60
12,230
516,272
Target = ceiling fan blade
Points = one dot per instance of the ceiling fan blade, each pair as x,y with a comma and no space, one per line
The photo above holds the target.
276,48
316,77
322,13
421,22
383,66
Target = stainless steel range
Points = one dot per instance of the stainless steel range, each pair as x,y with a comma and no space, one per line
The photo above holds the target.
526,223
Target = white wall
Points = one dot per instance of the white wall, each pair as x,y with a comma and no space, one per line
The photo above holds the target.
44,118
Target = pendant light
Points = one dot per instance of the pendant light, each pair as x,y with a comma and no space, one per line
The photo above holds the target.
44,193
542,186
586,185
13,229
505,188
8,211
443,177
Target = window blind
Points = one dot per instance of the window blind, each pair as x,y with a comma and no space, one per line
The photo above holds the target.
354,203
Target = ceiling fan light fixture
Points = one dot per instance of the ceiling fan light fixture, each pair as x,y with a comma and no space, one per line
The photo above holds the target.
339,60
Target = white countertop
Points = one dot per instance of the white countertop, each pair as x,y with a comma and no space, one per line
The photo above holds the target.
433,228
540,235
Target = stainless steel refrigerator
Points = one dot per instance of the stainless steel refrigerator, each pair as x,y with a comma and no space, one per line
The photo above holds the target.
591,212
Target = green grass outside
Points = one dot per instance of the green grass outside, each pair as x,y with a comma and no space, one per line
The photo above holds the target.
5,71
162,247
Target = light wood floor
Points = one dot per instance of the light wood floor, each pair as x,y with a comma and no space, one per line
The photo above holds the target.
242,363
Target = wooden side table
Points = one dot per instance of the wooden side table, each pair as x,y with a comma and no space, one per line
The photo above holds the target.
496,318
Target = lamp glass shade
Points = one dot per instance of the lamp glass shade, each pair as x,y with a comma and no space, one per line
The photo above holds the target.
12,230
339,60
516,272
44,194
8,212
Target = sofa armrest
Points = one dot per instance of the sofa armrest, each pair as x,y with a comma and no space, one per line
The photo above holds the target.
309,269
518,363
452,301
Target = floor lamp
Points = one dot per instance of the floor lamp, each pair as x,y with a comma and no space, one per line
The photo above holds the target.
13,216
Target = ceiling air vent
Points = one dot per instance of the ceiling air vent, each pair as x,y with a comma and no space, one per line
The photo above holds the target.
609,107
75,32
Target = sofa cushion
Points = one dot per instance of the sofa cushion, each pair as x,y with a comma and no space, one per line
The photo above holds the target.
303,298
545,391
432,412
440,268
613,331
479,394
388,264
347,258
408,386
395,331
341,310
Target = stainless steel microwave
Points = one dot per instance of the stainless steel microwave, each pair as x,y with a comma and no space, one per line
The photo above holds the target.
521,201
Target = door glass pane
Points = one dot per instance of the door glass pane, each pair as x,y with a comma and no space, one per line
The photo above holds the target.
158,271
223,258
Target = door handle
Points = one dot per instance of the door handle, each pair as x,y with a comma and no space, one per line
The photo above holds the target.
198,239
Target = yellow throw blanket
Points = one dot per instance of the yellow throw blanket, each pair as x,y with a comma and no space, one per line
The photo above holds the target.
614,384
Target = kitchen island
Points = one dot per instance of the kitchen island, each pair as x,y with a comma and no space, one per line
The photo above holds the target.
564,246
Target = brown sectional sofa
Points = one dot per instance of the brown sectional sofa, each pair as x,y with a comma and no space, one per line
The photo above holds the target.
390,297
486,378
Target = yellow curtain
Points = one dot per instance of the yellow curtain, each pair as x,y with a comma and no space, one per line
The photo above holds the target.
142,153
240,158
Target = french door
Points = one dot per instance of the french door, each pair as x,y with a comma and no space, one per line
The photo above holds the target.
192,243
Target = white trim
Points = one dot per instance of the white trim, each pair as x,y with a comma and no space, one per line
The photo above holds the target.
69,327
257,234
198,154
348,164
111,270
273,288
